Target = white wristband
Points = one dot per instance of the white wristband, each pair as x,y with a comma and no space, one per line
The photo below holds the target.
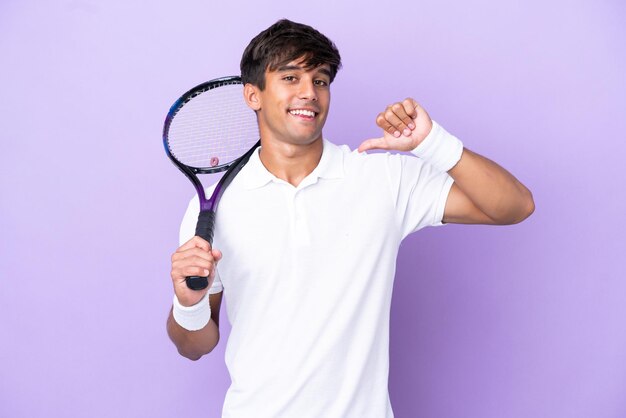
192,318
440,148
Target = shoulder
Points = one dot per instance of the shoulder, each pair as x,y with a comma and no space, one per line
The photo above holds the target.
373,162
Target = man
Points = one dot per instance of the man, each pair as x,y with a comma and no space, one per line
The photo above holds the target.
309,233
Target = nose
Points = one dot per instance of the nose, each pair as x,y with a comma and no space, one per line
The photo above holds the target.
307,90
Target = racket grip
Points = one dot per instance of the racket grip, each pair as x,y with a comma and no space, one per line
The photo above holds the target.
204,229
197,282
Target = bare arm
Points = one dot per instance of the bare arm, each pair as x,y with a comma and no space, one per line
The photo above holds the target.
195,344
195,258
483,192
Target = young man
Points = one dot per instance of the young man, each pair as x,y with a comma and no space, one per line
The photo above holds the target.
309,233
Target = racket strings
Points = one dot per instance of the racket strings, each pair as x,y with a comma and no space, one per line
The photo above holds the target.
213,128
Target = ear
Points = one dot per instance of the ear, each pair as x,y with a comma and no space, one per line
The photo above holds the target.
252,97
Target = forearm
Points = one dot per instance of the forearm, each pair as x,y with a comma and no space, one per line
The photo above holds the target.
193,344
492,189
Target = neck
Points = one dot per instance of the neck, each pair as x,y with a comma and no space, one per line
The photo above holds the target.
291,162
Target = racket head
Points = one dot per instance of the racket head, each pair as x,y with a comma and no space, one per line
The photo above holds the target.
209,127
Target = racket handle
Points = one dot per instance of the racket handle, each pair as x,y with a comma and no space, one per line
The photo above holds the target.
204,229
197,282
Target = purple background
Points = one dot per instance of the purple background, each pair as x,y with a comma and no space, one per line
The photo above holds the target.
487,322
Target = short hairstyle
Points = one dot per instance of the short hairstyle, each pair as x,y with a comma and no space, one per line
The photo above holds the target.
283,42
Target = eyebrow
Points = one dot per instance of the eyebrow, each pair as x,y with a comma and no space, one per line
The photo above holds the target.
289,68
284,68
325,71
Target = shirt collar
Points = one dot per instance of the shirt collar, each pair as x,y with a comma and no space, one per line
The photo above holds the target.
255,175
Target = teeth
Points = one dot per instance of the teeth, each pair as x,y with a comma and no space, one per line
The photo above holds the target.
302,112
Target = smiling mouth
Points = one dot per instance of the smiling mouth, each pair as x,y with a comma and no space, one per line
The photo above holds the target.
303,113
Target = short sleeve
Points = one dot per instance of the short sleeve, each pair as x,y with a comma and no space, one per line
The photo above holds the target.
188,230
419,191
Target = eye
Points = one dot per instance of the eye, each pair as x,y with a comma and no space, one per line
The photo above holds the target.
289,78
321,83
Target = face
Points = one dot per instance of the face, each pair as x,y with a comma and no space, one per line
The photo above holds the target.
294,104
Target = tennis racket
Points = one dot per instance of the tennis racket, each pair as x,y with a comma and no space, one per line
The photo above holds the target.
210,129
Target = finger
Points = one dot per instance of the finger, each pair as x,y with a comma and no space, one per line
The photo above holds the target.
373,143
212,273
193,261
192,267
405,111
195,271
195,241
217,255
410,108
192,252
386,126
397,116
399,119
180,275
420,112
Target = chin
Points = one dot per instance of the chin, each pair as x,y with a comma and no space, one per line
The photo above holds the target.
307,140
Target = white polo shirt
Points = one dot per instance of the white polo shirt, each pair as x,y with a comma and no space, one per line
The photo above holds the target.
307,273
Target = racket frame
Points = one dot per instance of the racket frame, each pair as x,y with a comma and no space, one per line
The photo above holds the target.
208,207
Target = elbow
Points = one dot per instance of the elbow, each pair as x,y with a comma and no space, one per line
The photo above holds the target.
193,352
528,206
193,356
191,344
516,213
525,208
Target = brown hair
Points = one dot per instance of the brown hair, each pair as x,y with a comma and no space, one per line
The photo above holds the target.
283,42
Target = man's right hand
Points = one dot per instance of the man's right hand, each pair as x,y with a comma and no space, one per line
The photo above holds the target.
193,258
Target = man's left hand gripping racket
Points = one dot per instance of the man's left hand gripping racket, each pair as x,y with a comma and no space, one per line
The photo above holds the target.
208,130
